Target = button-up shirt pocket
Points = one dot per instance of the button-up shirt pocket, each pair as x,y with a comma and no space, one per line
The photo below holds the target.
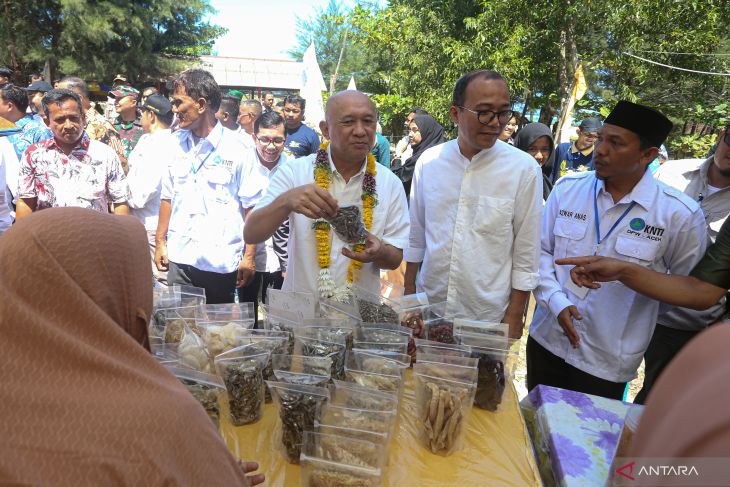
567,233
493,217
638,250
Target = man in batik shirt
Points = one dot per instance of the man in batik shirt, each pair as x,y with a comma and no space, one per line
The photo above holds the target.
97,127
69,169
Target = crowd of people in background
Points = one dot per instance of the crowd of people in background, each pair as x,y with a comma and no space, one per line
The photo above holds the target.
233,194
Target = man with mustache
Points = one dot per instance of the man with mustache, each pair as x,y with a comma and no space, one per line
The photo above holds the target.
69,169
592,341
270,265
199,237
475,212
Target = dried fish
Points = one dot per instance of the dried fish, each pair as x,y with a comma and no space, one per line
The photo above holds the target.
348,224
490,381
321,348
441,331
442,413
245,384
331,478
376,312
207,396
298,411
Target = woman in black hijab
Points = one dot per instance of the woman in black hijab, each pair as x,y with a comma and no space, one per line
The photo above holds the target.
425,132
537,140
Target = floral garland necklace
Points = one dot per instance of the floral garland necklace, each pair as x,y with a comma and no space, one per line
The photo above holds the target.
323,178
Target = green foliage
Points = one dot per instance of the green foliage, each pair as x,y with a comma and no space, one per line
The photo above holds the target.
691,146
417,49
97,39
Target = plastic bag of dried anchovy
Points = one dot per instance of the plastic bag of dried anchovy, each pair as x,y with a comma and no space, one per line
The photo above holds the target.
337,327
317,341
497,359
207,389
281,320
348,223
374,308
299,369
298,407
242,371
443,402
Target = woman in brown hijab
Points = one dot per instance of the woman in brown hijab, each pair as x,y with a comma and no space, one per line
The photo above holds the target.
687,413
82,402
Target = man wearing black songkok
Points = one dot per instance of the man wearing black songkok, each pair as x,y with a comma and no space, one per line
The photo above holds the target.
593,341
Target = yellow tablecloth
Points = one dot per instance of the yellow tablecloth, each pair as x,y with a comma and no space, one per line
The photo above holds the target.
496,452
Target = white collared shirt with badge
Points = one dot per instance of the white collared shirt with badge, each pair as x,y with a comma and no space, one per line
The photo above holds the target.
258,177
661,229
390,223
205,185
475,225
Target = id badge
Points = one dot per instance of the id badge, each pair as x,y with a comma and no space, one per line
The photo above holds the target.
581,292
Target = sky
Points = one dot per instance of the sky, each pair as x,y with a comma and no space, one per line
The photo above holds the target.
261,29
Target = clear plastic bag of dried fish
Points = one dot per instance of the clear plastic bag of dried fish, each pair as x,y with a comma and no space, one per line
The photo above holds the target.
207,389
318,341
374,371
260,343
242,372
298,408
299,369
374,308
353,395
337,461
444,397
384,337
454,350
281,320
348,224
367,421
497,357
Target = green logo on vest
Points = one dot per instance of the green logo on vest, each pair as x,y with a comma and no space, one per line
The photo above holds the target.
637,224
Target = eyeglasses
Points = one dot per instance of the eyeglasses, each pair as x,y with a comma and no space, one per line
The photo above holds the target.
485,117
268,140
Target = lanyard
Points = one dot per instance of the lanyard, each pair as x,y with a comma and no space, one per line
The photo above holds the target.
595,214
197,153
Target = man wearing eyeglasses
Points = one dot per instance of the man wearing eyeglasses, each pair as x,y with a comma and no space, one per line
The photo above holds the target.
270,256
476,204
577,156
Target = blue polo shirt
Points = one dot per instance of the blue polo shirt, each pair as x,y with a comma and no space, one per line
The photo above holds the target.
301,141
569,159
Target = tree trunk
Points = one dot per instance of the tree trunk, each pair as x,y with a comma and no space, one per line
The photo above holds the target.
333,78
568,65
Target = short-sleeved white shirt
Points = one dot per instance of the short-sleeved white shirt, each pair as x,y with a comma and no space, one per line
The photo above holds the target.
205,185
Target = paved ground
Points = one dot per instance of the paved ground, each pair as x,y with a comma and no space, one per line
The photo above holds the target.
520,372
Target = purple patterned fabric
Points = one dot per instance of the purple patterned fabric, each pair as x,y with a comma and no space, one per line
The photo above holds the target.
574,460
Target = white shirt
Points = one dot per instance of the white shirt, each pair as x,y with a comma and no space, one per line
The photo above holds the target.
664,231
266,259
9,169
390,223
205,186
147,165
691,177
246,138
475,225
